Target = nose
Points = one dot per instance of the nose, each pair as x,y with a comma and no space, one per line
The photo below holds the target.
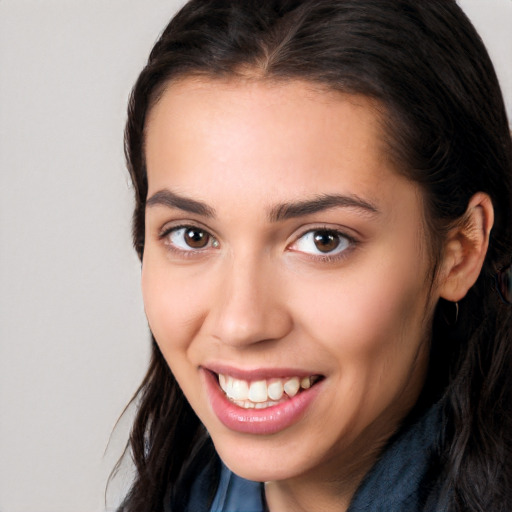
250,306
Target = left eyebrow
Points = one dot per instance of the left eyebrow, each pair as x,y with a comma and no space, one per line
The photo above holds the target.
324,202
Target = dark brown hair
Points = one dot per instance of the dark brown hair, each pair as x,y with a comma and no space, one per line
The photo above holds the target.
424,63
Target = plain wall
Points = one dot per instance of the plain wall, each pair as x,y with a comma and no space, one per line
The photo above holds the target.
74,340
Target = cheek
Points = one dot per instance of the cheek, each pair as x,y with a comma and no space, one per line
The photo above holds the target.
372,333
369,321
175,310
172,305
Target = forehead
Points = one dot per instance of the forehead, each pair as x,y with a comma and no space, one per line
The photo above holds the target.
237,142
268,105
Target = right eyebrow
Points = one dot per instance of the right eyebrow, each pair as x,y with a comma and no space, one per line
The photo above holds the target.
320,203
172,200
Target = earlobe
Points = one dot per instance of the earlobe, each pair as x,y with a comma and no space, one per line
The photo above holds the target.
465,248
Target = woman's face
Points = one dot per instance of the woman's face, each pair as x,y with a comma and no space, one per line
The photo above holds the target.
285,258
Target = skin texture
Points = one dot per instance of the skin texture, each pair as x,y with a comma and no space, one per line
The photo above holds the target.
261,295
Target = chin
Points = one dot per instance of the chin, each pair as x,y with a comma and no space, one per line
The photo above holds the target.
261,462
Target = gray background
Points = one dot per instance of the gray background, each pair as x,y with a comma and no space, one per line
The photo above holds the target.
73,338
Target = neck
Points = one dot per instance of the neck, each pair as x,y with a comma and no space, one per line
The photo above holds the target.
284,497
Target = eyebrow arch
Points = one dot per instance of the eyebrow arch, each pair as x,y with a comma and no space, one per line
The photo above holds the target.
320,203
278,213
171,200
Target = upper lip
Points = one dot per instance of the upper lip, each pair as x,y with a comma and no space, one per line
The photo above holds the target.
253,374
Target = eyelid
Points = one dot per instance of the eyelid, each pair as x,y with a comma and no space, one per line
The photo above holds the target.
343,231
326,257
170,227
183,223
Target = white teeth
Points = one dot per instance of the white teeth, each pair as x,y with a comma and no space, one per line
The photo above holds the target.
292,386
264,405
275,390
258,391
245,404
229,386
305,383
240,390
261,393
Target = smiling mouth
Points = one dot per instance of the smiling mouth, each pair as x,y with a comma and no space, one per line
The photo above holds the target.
261,394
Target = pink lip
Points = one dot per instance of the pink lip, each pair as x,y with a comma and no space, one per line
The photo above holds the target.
258,421
257,374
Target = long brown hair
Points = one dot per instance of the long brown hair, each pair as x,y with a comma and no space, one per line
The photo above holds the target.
446,130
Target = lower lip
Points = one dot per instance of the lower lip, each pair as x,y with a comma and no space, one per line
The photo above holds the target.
258,421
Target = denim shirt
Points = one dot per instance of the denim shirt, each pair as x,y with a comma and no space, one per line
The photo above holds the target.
405,478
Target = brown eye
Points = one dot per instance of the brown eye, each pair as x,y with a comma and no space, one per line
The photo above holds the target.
326,241
323,242
196,238
189,238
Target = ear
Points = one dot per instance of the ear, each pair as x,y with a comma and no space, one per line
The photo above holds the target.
465,249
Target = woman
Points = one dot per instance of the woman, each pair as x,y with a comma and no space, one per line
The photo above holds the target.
323,202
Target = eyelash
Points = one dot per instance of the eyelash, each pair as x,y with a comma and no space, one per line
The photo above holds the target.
325,258
165,234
